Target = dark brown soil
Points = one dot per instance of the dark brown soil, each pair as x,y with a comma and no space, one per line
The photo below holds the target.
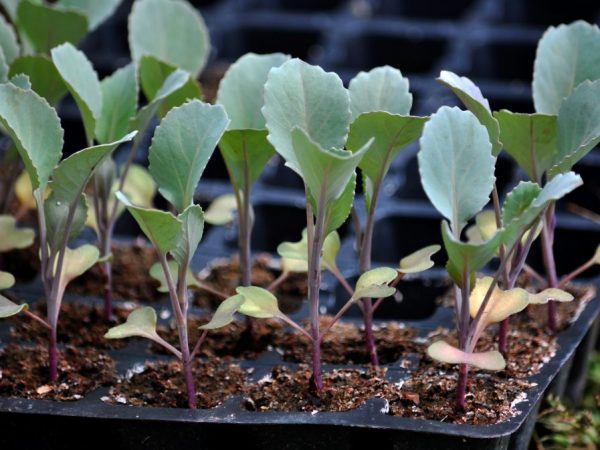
224,276
25,372
131,279
161,384
80,325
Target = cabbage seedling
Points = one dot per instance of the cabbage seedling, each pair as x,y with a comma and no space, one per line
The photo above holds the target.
61,215
181,147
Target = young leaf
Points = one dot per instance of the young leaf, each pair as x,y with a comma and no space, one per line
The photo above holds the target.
550,294
38,141
374,283
76,262
82,81
444,352
299,95
9,308
339,210
95,11
530,139
566,56
193,227
181,147
501,305
419,261
381,89
225,313
8,41
141,322
473,99
578,126
12,237
294,255
456,165
222,210
47,26
173,32
119,104
56,212
43,76
258,302
7,280
21,81
156,272
163,229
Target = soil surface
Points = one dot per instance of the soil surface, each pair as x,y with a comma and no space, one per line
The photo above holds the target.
161,384
80,325
131,279
25,372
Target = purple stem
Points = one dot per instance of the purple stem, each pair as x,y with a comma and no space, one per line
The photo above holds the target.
547,238
53,355
461,388
108,292
504,326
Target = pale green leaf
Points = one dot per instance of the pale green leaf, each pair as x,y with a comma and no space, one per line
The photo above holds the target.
181,148
21,81
550,294
221,211
156,272
8,41
141,322
446,353
258,302
7,280
193,228
419,261
9,308
12,237
374,283
501,304
225,313
96,11
44,78
294,255
339,210
75,263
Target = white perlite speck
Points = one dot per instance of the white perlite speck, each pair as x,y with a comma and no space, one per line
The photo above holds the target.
386,407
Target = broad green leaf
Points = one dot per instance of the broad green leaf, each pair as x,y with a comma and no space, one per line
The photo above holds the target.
7,280
156,272
162,228
193,228
578,126
380,89
339,210
21,81
446,353
82,81
42,73
501,304
38,141
10,6
419,261
47,26
519,200
9,308
374,283
392,134
8,41
258,302
299,95
153,74
241,89
181,147
225,313
56,213
173,32
222,210
12,237
119,104
245,152
96,11
456,165
141,322
76,262
550,294
530,139
566,56
473,99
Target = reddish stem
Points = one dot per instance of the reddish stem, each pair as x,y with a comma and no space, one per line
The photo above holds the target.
189,382
108,292
461,389
369,337
53,355
547,236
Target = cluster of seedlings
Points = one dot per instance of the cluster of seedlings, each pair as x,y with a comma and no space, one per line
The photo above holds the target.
271,105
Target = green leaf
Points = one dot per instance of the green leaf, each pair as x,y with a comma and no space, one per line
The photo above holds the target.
10,6
8,41
530,139
153,74
298,95
578,126
221,211
181,147
456,165
339,210
193,228
224,314
95,11
38,141
258,302
21,81
156,272
76,262
82,81
141,322
381,89
47,26
119,104
446,353
163,229
12,237
566,56
374,284
173,32
44,78
473,99
294,255
56,212
392,134
7,280
241,89
519,200
419,261
9,308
